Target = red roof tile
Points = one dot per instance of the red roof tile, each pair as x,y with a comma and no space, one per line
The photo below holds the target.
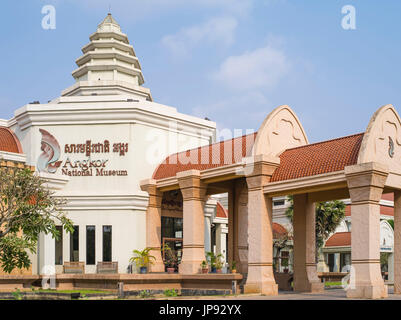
317,158
339,239
387,211
388,196
211,156
9,141
384,210
278,230
221,212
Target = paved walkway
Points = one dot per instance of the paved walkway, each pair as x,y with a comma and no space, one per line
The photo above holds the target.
329,294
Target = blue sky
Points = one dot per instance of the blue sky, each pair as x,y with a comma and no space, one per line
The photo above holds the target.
230,60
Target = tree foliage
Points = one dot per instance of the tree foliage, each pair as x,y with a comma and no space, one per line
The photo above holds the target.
27,208
329,214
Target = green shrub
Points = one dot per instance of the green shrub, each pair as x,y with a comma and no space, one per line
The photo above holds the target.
17,295
170,293
145,294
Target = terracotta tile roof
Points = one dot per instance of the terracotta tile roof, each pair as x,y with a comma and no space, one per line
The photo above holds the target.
9,141
278,230
221,212
339,239
211,156
387,211
317,158
388,196
384,210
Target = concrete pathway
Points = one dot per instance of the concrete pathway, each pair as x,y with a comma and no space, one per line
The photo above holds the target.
329,294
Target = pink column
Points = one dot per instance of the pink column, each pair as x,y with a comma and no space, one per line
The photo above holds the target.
153,223
365,184
305,270
397,242
193,194
260,229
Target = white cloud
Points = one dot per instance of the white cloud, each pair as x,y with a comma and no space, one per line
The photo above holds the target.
217,31
258,69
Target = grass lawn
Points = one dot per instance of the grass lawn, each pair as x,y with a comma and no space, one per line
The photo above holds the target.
330,284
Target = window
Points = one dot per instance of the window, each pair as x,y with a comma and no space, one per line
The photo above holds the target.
331,261
285,255
90,244
74,244
172,227
59,247
279,202
106,243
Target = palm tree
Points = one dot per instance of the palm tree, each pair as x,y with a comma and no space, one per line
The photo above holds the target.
329,215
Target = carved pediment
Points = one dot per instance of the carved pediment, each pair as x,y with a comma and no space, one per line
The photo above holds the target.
382,140
280,130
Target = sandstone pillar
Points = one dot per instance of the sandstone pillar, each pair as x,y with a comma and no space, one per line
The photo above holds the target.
241,216
153,223
260,228
397,242
193,193
231,245
365,183
305,268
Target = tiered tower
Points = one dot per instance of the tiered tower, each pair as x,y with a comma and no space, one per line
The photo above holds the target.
108,65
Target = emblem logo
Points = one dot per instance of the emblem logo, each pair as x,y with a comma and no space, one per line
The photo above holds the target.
48,159
390,147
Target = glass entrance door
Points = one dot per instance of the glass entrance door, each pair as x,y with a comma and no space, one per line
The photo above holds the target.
176,247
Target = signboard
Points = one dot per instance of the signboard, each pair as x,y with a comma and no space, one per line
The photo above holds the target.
93,157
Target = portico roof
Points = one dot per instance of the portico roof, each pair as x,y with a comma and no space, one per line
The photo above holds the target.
296,166
9,142
339,239
221,212
207,157
317,158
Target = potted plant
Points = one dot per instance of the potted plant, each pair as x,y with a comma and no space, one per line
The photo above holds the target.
234,267
219,263
143,259
211,257
204,267
170,259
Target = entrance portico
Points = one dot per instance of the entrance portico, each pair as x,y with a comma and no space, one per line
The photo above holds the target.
278,161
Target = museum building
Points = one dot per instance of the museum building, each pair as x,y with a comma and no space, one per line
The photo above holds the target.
137,174
93,145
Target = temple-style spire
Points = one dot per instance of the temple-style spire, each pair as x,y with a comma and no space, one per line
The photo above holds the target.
108,65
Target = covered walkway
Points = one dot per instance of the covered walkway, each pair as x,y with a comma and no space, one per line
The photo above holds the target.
278,161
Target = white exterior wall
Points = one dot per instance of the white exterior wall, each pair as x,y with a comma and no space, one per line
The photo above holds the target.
108,200
128,233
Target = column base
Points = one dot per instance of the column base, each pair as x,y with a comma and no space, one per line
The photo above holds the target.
266,288
157,267
397,288
368,292
312,287
189,267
